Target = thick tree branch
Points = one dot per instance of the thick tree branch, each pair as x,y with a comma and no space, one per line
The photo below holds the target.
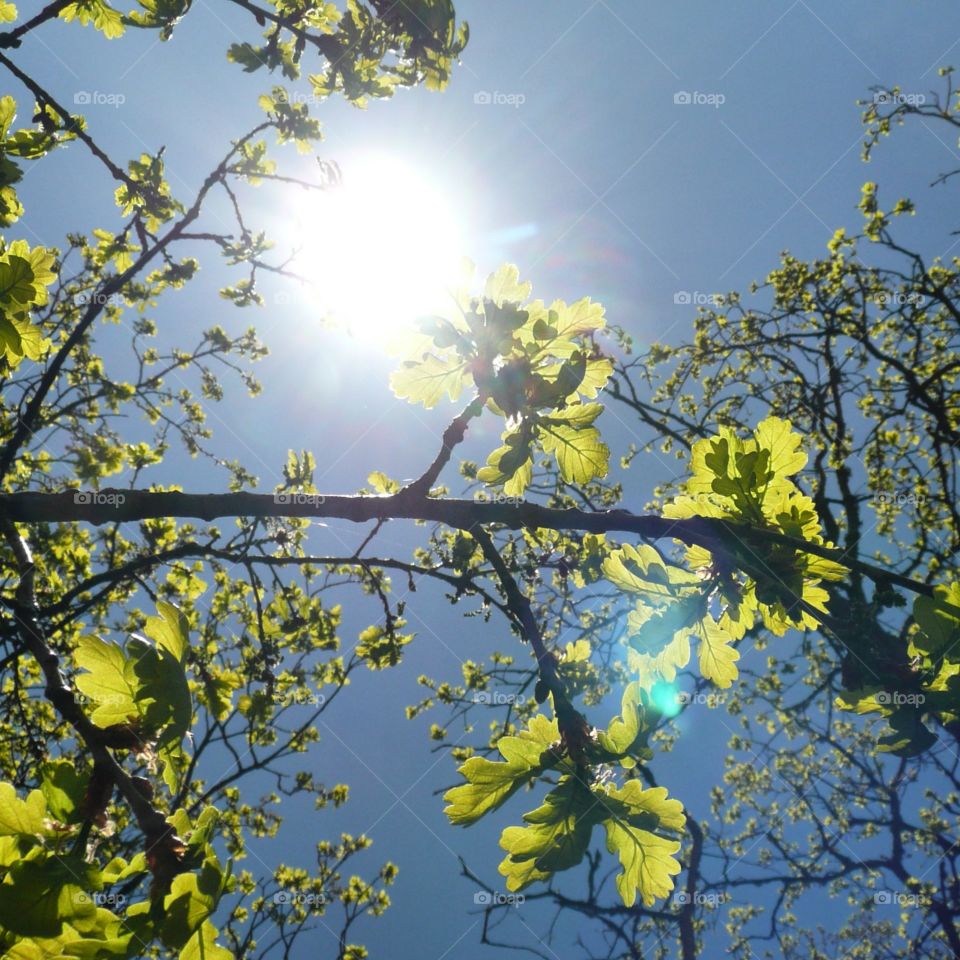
118,506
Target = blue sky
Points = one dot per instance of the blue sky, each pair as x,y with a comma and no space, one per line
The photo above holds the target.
561,146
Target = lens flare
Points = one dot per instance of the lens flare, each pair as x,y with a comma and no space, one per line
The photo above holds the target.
382,247
666,698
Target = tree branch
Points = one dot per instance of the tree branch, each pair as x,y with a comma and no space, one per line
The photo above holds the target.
118,506
11,38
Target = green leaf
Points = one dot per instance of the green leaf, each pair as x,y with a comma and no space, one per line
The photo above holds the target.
247,56
170,631
938,618
8,112
111,681
490,784
175,761
381,648
203,946
647,859
785,456
665,664
165,690
511,465
142,683
716,654
382,484
100,949
557,836
64,788
41,261
623,731
642,570
504,286
16,281
103,17
910,737
21,817
576,414
427,380
657,630
193,897
40,892
580,453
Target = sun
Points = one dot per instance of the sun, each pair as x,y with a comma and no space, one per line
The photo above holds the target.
382,247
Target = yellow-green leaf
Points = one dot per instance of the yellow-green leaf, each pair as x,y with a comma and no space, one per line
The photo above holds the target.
716,653
490,784
21,817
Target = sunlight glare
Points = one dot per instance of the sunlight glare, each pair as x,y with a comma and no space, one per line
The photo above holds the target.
381,248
